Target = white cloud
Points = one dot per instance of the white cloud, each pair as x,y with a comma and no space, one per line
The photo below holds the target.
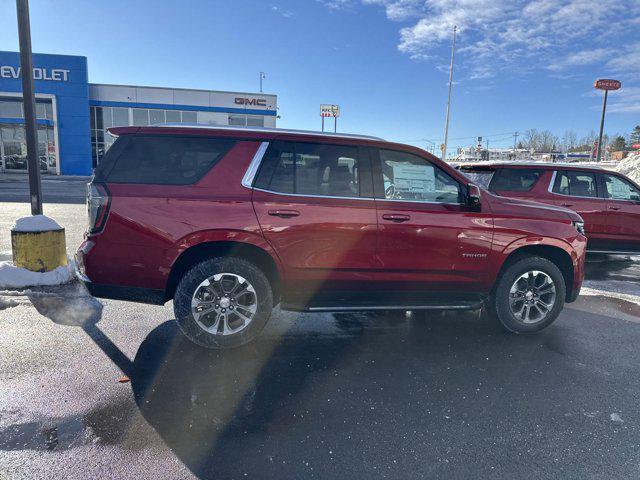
625,100
498,36
281,11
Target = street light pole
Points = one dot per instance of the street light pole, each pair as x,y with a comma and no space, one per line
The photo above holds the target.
262,76
446,125
29,102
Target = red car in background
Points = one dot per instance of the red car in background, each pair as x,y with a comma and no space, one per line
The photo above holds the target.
609,202
229,222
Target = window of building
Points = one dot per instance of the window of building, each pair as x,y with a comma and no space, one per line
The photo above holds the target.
255,121
120,116
620,189
410,177
167,160
189,117
173,116
238,120
140,116
10,108
311,169
578,184
156,116
515,179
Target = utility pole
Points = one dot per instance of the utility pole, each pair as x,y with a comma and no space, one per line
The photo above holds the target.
515,141
29,103
262,77
446,125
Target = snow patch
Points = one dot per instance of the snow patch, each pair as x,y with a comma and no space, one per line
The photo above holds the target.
35,223
630,166
616,418
16,277
592,289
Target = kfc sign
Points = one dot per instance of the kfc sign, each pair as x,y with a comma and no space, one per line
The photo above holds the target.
252,102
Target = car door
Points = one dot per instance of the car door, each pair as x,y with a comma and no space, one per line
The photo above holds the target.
623,212
580,192
315,207
427,239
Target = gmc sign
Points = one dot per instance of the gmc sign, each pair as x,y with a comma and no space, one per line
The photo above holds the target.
259,102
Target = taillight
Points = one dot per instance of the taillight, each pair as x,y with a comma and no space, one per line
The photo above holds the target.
98,202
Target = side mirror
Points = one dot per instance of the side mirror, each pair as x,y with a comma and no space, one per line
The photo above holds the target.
473,197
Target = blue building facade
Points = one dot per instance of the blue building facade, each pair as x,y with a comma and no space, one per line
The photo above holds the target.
74,116
61,82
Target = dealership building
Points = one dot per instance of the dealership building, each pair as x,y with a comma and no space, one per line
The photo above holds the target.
73,114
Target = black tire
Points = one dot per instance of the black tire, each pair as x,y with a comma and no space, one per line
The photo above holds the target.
205,270
499,303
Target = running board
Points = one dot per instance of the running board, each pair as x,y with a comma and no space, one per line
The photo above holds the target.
364,307
614,252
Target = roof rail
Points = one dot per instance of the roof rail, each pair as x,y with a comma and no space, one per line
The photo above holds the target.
266,130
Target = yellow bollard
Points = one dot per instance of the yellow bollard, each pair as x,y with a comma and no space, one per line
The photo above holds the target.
39,251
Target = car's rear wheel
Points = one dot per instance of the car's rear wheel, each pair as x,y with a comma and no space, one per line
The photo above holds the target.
529,295
223,302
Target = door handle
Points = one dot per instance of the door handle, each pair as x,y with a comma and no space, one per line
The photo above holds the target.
566,204
284,213
614,208
396,217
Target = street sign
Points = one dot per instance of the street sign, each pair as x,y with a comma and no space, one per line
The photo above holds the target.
329,110
607,84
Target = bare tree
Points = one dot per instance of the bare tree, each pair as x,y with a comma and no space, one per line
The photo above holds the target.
531,139
569,140
548,141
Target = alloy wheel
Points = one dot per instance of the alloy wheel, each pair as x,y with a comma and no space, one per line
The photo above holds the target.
532,296
224,304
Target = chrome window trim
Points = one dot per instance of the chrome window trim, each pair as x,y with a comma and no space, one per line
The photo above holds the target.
252,169
352,198
417,201
311,196
553,181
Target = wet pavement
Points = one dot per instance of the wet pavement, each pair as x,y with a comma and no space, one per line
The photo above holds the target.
435,394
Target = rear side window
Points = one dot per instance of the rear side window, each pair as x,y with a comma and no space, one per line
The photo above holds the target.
312,169
577,184
167,160
515,179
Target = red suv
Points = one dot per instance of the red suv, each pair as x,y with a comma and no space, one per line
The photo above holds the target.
608,201
229,222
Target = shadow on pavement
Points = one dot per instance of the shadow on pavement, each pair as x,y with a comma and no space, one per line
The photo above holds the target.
391,395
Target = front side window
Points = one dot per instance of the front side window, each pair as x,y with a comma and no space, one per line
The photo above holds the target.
620,189
515,179
311,169
410,177
576,184
167,160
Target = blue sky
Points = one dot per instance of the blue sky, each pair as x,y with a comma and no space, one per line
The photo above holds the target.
520,64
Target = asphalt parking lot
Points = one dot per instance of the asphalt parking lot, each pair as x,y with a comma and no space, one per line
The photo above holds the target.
437,395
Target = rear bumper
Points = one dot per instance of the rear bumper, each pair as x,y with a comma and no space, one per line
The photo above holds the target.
128,294
115,292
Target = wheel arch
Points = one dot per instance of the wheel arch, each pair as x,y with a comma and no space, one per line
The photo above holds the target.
224,248
556,254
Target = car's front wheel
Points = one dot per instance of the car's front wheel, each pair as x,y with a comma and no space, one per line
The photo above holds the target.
529,295
223,302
